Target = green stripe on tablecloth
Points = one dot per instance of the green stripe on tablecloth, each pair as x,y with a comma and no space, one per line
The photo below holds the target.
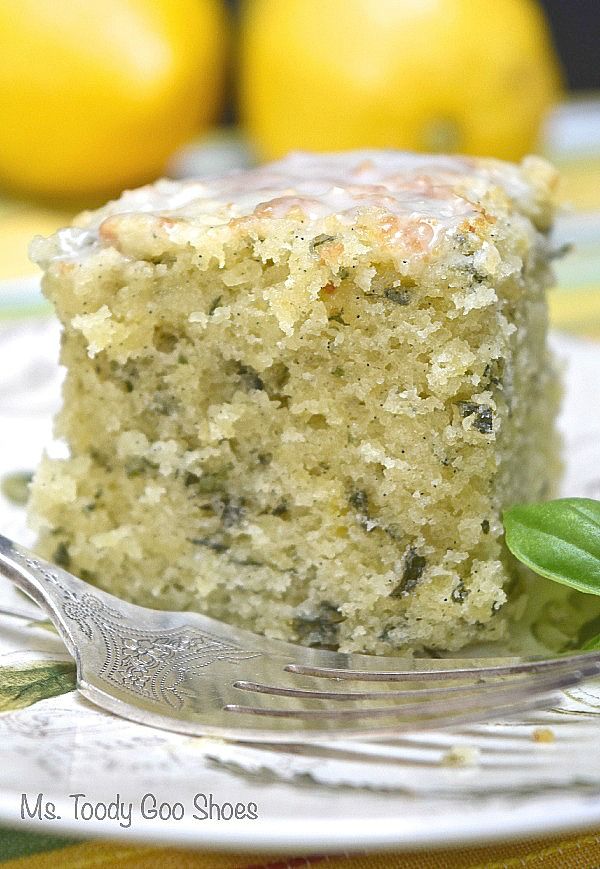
25,312
24,843
22,298
580,268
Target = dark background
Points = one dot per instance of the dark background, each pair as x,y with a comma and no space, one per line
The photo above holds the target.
576,28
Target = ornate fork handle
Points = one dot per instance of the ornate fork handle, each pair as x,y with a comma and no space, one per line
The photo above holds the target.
147,654
49,586
190,673
83,617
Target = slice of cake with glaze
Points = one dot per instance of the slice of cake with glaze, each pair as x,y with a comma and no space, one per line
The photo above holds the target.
298,398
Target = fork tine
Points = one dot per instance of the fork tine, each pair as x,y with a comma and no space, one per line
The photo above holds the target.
425,674
453,719
493,698
426,693
415,718
315,694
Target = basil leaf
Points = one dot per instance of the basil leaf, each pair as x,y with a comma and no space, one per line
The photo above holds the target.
559,540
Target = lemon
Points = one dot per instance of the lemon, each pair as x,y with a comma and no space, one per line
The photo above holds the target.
95,96
430,75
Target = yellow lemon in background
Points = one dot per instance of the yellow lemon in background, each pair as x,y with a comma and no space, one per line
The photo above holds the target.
431,75
95,96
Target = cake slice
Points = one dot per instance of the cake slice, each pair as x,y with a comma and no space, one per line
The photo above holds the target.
298,398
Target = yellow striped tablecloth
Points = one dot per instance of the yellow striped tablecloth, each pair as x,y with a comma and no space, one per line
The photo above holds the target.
574,852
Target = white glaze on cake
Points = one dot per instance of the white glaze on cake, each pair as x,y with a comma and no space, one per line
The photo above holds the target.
427,193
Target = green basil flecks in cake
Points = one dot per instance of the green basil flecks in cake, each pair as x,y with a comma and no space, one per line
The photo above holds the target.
298,398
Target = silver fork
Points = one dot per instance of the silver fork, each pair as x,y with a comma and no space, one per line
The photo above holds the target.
185,672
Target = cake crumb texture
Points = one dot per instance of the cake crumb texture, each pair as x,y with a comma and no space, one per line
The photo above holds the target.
298,398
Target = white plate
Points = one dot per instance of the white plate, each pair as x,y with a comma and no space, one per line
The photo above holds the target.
400,795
